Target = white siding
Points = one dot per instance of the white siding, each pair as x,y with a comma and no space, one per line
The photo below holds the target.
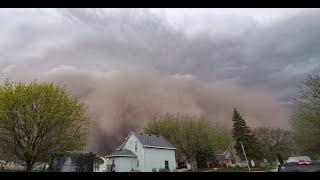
148,158
130,145
155,158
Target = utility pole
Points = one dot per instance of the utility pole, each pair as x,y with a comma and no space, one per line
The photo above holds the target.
245,156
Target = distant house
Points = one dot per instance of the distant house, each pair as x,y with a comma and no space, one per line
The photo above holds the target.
72,161
143,152
229,158
2,164
225,158
75,161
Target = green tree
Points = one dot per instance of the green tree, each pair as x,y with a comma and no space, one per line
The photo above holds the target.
204,156
242,133
4,155
275,142
191,135
38,119
306,124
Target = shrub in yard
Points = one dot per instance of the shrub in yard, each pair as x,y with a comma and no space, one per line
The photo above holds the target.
164,170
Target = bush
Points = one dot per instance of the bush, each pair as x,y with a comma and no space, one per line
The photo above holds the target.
164,170
154,169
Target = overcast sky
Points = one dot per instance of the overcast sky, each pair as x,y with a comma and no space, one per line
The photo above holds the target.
269,48
128,65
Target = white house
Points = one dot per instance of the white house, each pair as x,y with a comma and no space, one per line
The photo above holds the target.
143,152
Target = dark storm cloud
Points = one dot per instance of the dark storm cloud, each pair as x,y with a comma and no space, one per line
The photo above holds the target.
283,53
140,39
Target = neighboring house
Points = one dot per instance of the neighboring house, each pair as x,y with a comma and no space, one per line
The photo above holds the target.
72,161
143,152
225,158
229,158
2,164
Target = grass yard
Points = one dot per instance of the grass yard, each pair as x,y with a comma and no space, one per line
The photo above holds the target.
244,169
11,170
266,168
235,169
20,170
227,169
230,169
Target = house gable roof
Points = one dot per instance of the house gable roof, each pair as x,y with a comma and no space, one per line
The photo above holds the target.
153,141
122,153
221,152
149,141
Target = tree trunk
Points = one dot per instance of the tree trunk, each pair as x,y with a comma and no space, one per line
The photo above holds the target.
193,164
29,166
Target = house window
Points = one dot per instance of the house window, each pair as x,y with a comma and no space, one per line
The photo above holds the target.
136,146
166,164
137,163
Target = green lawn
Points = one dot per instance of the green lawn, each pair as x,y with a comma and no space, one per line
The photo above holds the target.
221,170
266,168
244,169
11,170
235,169
230,169
16,170
21,170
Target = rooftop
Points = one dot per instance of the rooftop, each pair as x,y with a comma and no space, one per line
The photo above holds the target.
122,153
153,140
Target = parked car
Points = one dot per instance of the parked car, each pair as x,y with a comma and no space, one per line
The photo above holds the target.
299,160
296,167
299,164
